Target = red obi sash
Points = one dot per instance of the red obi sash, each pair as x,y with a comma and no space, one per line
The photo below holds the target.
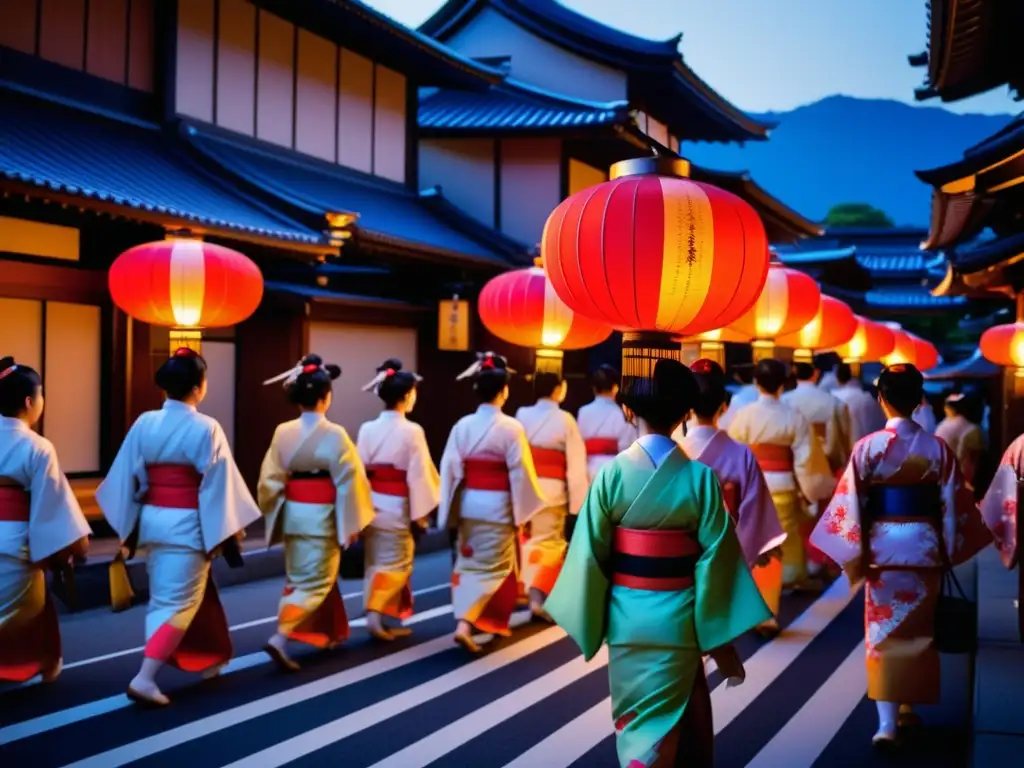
662,561
773,458
602,446
731,498
388,480
310,489
820,429
14,504
175,486
549,462
487,475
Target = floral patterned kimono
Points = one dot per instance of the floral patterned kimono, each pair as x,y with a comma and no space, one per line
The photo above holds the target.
888,480
175,485
560,458
748,501
488,487
316,498
406,488
999,507
39,518
656,571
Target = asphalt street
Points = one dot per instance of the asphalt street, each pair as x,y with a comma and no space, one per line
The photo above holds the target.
529,701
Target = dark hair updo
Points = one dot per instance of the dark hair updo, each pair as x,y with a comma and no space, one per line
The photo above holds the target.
17,383
803,371
313,383
396,383
902,387
710,380
181,373
605,379
664,399
770,375
545,383
491,377
844,373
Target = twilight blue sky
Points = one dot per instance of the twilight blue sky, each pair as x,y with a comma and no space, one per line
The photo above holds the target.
776,54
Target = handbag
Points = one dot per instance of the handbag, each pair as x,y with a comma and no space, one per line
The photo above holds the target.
353,561
121,592
956,618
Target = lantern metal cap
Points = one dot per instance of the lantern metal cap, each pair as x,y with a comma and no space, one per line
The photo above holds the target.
659,165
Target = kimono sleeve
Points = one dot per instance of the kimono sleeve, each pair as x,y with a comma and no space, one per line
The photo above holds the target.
838,532
964,531
727,602
575,465
579,601
353,506
119,495
809,462
758,527
839,432
527,497
451,475
422,476
55,519
225,504
273,478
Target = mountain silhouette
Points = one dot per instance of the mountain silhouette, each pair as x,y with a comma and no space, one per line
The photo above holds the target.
842,149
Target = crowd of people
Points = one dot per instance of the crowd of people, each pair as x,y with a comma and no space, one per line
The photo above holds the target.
693,514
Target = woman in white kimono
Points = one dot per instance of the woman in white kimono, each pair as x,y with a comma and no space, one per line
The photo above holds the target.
604,428
488,487
175,490
41,525
560,458
962,435
314,493
406,489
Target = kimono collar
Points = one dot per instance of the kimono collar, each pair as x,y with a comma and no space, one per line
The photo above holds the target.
547,404
701,431
8,422
658,447
805,385
606,399
390,415
488,408
765,398
899,425
177,405
311,418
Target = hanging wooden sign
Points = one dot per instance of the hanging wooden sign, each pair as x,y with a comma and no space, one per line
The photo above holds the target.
453,325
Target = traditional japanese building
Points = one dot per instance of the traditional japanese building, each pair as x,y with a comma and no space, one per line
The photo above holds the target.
284,130
578,97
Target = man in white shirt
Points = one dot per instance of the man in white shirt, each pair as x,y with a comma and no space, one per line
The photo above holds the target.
865,413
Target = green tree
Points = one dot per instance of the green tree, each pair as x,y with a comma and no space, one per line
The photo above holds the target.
857,215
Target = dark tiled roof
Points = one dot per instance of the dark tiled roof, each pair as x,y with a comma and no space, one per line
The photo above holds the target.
974,367
323,294
127,164
695,110
387,212
512,106
797,256
996,148
987,251
897,298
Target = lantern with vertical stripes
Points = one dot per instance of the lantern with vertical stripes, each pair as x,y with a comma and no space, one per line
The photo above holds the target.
789,301
187,285
834,324
911,349
656,255
1004,345
870,343
522,308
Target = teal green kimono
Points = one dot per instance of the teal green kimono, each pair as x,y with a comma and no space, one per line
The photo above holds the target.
656,639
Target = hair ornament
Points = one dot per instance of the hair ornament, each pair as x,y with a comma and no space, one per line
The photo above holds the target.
9,370
701,366
898,368
184,352
374,385
956,397
485,361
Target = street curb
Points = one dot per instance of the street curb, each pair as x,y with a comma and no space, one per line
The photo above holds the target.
93,582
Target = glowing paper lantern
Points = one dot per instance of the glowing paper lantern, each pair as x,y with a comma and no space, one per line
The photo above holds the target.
654,252
927,354
904,350
834,324
185,284
712,343
1004,345
872,341
522,308
789,301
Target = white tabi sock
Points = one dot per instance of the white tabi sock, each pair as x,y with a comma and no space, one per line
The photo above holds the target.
887,714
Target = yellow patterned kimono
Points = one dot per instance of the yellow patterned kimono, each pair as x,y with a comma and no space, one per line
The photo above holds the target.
656,571
488,488
175,485
795,469
315,495
39,518
560,458
406,488
908,551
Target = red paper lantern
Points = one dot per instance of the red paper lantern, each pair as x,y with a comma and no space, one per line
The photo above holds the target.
788,301
1004,345
903,351
522,308
872,341
185,283
834,324
927,354
650,252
